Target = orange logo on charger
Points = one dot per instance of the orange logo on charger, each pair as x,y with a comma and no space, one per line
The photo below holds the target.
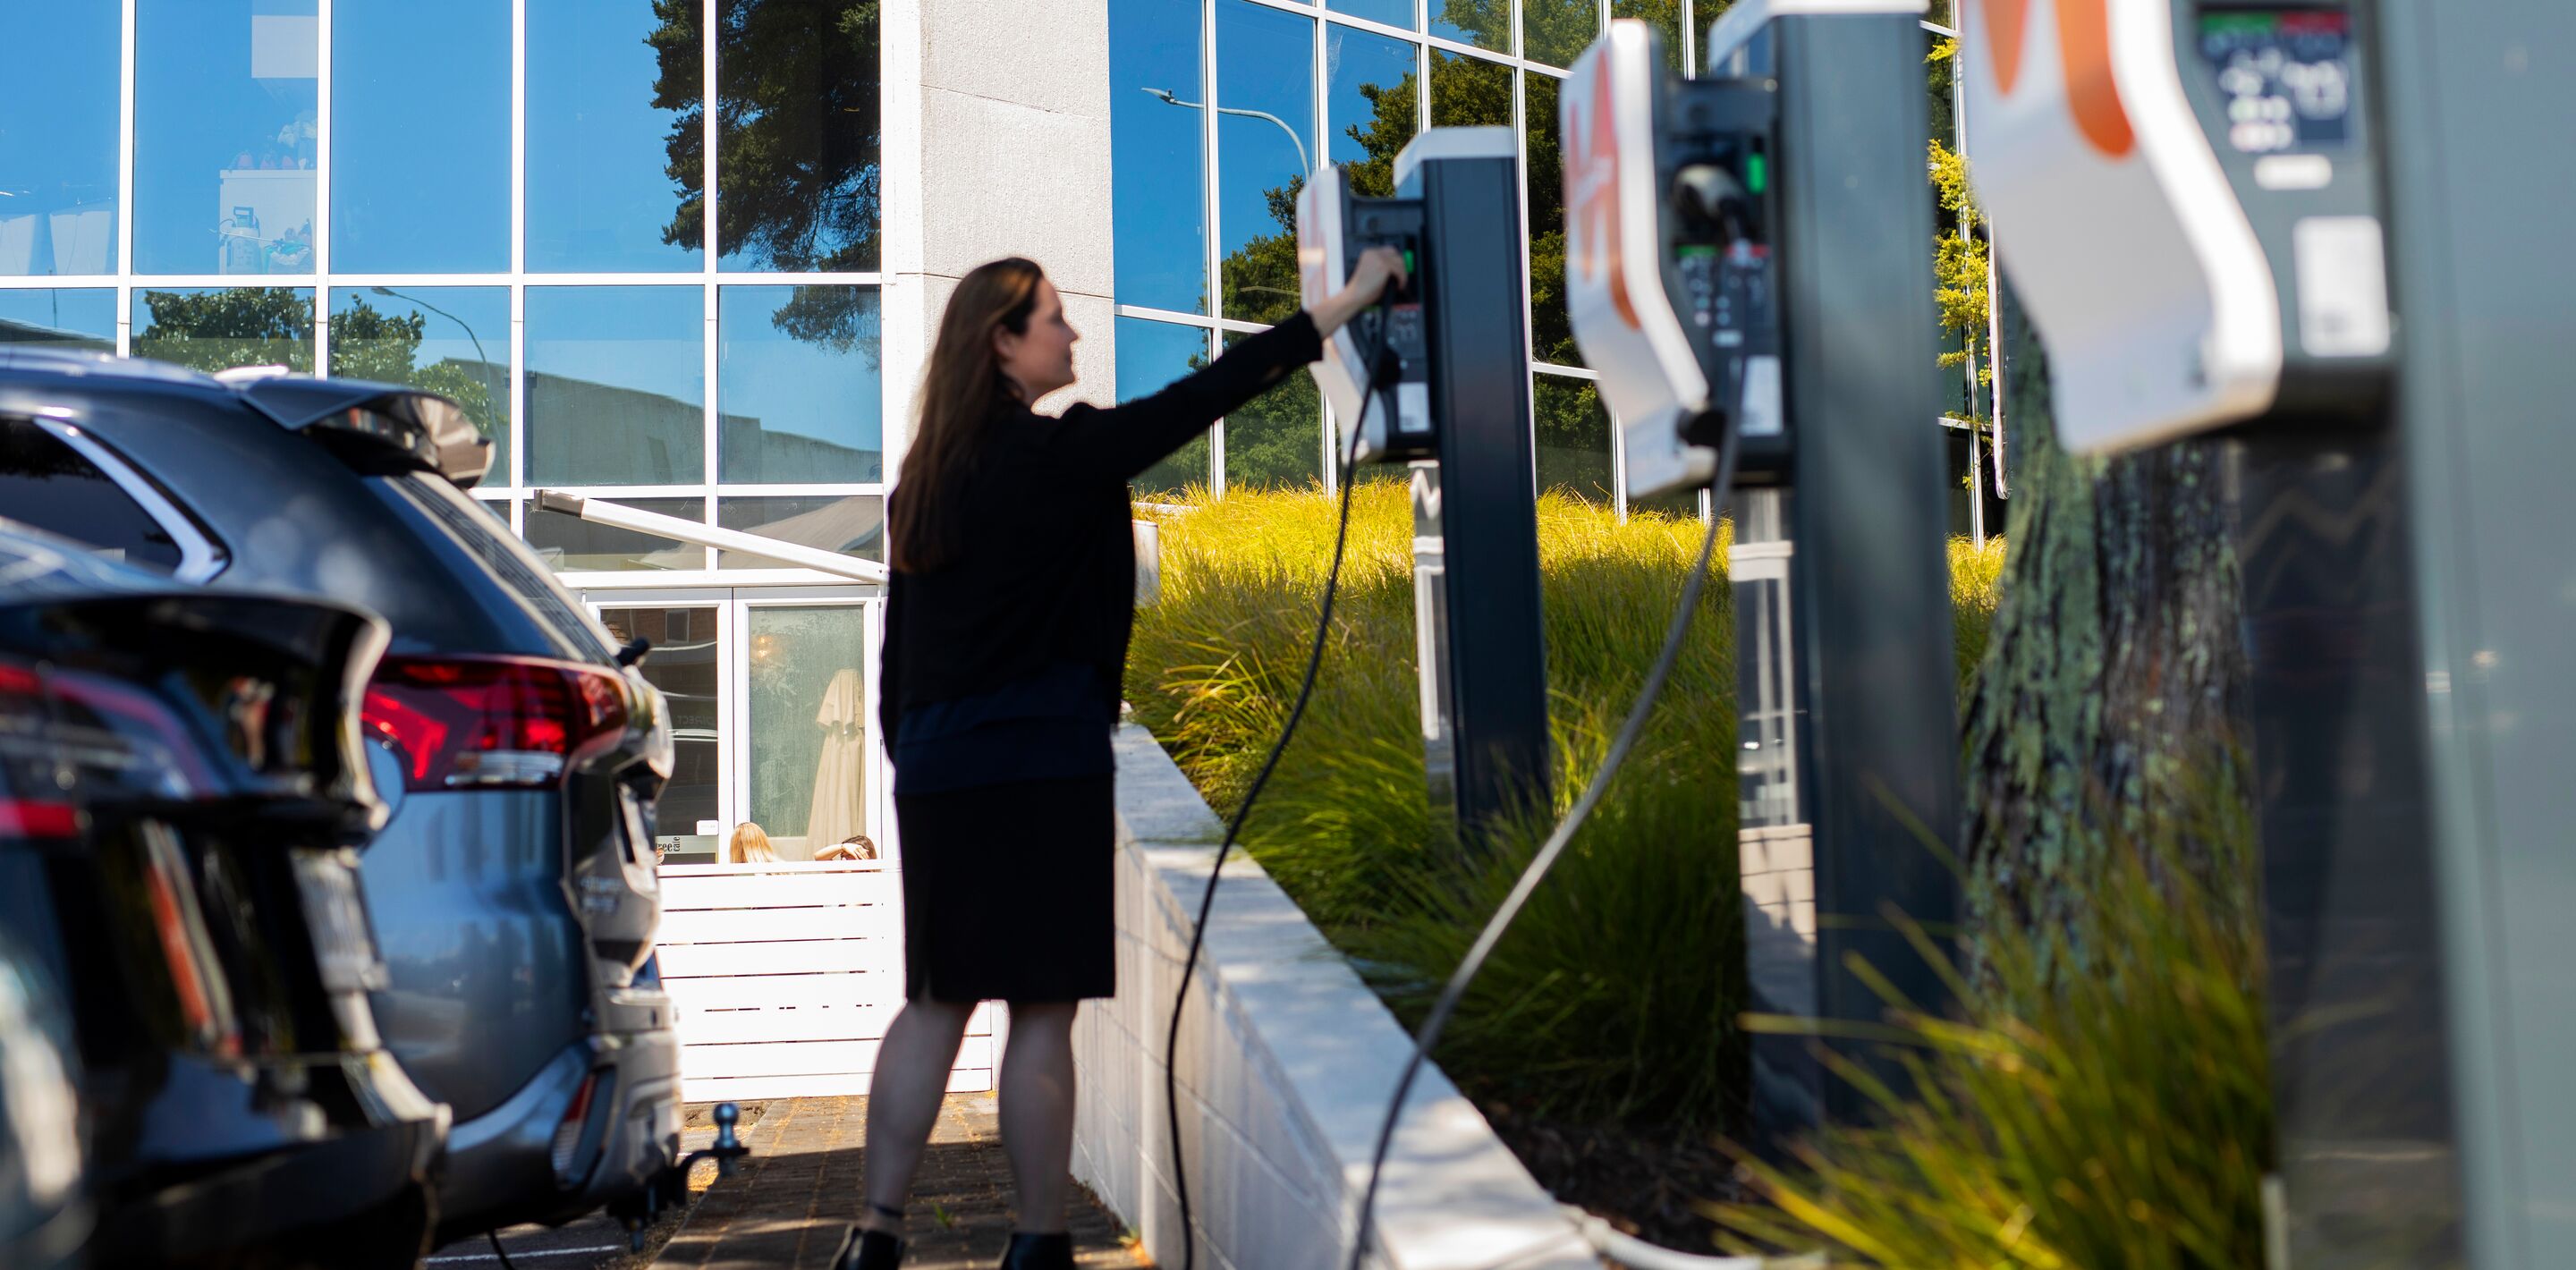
2084,46
1592,182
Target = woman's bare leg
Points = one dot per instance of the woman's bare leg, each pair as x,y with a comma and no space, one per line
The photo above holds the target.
1037,1109
903,1100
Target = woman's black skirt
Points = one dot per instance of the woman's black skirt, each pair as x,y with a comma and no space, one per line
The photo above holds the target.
1008,892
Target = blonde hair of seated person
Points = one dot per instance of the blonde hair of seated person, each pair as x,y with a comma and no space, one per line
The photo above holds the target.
750,845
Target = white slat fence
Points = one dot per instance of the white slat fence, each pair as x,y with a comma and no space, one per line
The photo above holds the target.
785,976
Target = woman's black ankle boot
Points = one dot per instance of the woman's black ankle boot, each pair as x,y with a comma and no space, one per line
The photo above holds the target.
868,1250
1039,1252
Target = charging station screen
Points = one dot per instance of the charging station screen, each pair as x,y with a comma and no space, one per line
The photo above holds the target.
2286,75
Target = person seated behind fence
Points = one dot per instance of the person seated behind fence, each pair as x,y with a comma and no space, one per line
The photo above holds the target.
750,845
854,847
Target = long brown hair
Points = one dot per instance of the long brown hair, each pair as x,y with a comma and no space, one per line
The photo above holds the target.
962,395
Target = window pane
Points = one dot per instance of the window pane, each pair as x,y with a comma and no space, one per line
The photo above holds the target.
809,726
1557,31
1264,62
1390,12
47,484
617,385
420,89
1551,326
1159,154
570,544
851,524
616,147
1373,105
1487,24
797,176
1469,92
1573,438
219,328
224,107
1276,440
796,382
1151,355
1663,15
454,341
685,667
58,160
79,318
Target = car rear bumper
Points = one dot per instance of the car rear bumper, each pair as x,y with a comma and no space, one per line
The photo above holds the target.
371,1178
501,1166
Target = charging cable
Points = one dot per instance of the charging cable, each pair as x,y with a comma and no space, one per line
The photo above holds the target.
1675,637
1252,794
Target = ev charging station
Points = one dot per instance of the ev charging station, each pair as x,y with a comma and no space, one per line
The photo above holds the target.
1437,377
2216,212
1748,253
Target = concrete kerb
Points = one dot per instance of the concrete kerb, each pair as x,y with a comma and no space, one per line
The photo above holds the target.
1287,1060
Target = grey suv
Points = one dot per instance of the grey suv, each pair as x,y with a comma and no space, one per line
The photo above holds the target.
513,892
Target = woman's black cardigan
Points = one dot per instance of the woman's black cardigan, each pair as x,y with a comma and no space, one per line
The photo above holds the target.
1044,571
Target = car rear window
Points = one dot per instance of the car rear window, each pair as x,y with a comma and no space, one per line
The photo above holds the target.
508,559
48,484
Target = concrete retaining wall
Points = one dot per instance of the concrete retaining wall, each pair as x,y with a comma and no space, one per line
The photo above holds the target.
1286,1062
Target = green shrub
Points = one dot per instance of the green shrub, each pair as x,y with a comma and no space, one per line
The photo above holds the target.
1617,991
2115,1118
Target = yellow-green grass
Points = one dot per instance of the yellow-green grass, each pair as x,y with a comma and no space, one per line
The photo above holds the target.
1617,993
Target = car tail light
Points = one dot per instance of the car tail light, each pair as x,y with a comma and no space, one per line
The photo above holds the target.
486,722
568,1133
110,729
29,819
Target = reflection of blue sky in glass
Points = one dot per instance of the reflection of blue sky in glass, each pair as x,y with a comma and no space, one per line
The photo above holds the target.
29,316
58,138
420,136
598,196
1353,59
1150,356
1498,40
616,385
1265,61
1159,185
794,410
1391,12
225,127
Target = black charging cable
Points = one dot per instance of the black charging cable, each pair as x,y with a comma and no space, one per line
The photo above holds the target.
1252,793
1676,636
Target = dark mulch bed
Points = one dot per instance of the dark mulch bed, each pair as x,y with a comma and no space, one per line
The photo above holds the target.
1642,1180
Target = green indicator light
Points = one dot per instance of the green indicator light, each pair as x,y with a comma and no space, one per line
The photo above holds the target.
1757,173
1408,261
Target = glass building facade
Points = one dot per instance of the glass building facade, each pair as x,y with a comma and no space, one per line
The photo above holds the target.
638,241
525,204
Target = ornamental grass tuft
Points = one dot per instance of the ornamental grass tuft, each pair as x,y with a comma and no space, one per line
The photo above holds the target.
2116,1119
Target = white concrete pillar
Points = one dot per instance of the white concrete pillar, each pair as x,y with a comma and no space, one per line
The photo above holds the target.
1000,110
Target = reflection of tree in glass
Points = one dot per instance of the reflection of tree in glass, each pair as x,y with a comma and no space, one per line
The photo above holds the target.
273,326
383,347
219,330
798,114
1275,440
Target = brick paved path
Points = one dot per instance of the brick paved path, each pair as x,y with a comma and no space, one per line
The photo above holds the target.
788,1203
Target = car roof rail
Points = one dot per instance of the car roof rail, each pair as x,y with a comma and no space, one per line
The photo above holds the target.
422,427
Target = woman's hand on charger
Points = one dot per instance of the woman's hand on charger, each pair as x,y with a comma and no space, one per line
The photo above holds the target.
1378,269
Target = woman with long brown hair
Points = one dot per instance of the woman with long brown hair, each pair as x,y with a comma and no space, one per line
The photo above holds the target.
1007,620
